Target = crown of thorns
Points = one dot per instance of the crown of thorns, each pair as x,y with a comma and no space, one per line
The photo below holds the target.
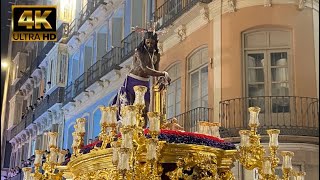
150,31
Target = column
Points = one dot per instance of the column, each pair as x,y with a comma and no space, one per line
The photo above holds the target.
217,60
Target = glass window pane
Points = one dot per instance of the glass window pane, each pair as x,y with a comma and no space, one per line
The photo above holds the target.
280,89
194,61
255,75
279,74
255,60
255,90
279,59
204,55
204,81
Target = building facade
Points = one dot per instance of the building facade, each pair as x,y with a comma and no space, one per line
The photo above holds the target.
223,56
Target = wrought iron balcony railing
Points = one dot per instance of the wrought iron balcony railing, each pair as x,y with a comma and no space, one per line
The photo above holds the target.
111,60
84,15
68,94
17,129
41,56
189,120
55,97
129,44
171,10
80,84
292,115
94,73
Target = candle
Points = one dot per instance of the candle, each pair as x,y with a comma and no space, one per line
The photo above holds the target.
26,173
299,175
75,139
53,139
287,156
244,138
113,114
127,140
103,115
154,120
76,129
53,155
151,150
128,114
38,158
273,137
266,166
254,113
139,95
124,160
115,153
62,155
81,125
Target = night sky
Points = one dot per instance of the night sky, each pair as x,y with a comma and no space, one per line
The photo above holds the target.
4,37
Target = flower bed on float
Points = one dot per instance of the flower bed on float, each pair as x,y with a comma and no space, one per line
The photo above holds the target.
172,136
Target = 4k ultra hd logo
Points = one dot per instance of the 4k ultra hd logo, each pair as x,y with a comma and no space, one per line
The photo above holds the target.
34,23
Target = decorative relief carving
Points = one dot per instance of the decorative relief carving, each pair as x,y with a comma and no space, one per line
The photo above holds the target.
205,13
301,4
267,3
231,5
181,31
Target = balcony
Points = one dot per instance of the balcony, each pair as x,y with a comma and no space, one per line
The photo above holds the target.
80,84
298,116
41,56
129,44
111,61
84,15
55,97
189,120
68,94
170,11
17,129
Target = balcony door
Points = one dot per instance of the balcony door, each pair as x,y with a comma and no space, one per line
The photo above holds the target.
198,88
267,59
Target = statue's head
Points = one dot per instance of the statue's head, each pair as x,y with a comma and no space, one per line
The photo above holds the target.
150,41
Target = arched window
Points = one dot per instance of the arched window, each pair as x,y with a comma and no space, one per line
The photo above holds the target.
198,78
96,122
174,91
198,88
267,59
85,138
70,137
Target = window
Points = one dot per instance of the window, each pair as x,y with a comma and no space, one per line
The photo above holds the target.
198,88
198,79
51,78
138,13
174,92
62,67
267,59
117,27
134,15
75,66
33,146
127,18
88,54
102,41
96,123
70,137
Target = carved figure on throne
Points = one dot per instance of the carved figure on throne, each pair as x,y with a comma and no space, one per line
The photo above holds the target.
172,125
145,65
